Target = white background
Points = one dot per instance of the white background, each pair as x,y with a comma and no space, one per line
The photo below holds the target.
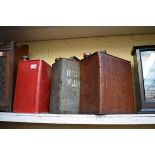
77,12
75,142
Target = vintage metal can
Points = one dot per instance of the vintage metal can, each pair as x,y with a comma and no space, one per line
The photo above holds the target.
32,92
65,90
106,85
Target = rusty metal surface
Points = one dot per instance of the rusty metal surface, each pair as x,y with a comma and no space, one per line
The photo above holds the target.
106,85
65,90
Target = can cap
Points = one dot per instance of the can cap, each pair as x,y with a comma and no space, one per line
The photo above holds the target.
86,54
25,57
57,59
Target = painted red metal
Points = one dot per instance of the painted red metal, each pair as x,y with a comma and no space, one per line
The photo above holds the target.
32,92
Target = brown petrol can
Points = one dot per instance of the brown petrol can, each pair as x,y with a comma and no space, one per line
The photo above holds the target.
65,90
106,85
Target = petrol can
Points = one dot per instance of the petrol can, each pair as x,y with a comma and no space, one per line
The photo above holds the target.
32,92
106,84
65,90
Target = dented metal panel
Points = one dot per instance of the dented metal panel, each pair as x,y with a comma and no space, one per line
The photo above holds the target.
65,90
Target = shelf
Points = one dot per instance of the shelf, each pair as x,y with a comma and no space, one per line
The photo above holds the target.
122,119
37,33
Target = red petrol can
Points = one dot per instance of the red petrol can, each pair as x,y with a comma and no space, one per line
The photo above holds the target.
32,91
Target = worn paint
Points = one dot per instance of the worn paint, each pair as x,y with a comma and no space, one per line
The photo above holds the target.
65,90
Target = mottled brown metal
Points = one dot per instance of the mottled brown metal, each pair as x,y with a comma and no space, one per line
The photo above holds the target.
106,85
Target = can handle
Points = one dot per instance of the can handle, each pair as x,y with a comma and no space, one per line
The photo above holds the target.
74,58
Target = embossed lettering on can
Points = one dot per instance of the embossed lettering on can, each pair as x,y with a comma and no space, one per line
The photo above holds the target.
65,90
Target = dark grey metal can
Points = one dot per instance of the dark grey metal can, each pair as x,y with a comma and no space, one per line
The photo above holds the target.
65,86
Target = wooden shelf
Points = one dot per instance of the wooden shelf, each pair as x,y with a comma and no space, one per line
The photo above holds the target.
37,33
122,119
